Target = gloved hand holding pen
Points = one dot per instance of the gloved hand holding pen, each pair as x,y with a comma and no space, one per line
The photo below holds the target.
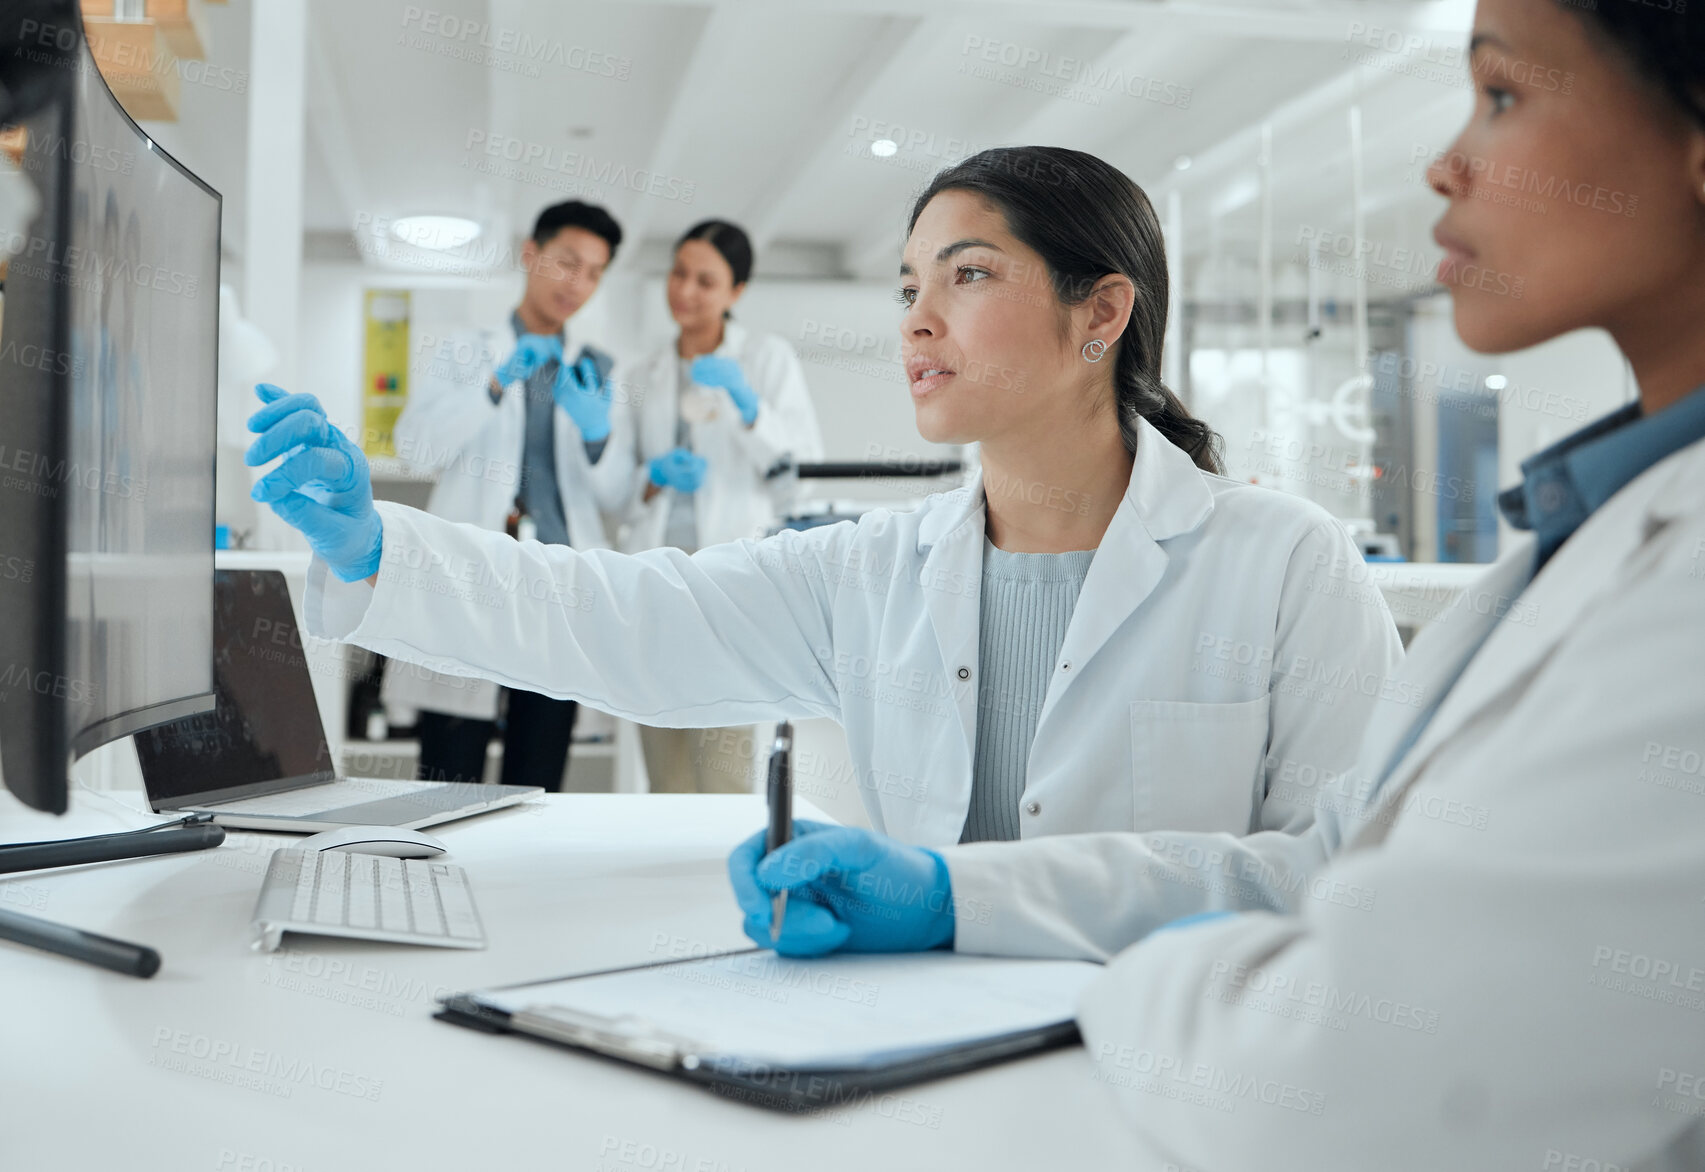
849,890
323,487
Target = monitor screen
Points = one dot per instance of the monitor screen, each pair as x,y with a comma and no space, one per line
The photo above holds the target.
265,732
108,389
144,377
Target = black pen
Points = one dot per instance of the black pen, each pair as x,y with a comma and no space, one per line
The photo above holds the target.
133,960
780,793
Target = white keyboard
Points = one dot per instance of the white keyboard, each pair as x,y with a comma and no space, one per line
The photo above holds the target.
368,897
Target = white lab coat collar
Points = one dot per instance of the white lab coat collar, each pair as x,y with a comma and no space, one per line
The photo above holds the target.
668,356
1679,495
1549,608
1166,495
954,509
733,339
1572,580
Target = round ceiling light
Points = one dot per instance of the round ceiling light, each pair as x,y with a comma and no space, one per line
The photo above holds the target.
439,233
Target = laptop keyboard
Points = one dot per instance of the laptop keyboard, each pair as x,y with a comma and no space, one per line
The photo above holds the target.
439,797
298,803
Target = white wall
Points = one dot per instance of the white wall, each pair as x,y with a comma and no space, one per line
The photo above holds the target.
330,360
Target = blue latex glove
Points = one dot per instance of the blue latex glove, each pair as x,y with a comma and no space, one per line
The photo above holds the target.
585,397
847,889
711,371
531,352
680,470
322,488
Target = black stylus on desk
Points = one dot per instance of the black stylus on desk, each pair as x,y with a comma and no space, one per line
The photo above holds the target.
192,833
133,960
130,844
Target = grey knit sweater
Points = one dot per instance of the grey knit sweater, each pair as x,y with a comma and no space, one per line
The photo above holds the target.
1027,604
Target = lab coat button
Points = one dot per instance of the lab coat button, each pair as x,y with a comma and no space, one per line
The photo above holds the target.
1033,808
1066,666
964,673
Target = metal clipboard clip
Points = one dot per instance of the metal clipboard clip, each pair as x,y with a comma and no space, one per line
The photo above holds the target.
628,1036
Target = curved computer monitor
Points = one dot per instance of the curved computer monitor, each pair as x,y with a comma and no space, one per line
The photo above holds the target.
109,327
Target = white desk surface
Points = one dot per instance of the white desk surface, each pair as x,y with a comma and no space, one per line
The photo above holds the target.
324,1056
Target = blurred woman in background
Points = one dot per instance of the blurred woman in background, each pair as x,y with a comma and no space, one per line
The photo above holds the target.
718,417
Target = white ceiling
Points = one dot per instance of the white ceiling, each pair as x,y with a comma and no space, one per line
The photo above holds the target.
766,109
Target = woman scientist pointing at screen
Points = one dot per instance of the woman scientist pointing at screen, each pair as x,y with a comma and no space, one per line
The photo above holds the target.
1099,634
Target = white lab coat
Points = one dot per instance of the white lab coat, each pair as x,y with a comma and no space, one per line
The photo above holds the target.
735,500
1149,722
450,428
1502,966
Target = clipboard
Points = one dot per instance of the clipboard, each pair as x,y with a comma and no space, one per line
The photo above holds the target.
712,1020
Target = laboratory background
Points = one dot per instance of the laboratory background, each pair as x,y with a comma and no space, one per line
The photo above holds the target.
382,164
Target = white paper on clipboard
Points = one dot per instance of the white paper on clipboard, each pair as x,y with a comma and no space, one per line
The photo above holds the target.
840,1012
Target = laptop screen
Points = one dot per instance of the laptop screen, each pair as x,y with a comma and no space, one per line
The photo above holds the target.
264,735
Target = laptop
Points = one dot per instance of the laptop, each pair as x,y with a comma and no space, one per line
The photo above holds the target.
260,760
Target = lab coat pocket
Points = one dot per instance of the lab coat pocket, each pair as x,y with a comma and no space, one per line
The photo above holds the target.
1197,766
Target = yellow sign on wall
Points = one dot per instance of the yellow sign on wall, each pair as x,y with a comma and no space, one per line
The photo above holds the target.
384,380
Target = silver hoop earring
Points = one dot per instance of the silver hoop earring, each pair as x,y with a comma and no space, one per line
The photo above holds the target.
1094,350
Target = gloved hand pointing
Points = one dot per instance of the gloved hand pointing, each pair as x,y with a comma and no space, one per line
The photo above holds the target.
712,371
586,397
847,889
531,352
323,488
680,470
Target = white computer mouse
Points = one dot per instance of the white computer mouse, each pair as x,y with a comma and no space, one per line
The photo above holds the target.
376,840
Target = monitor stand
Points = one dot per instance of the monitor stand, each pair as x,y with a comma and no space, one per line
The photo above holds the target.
193,833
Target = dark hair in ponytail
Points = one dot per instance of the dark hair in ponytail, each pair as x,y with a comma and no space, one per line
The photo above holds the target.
1665,45
730,241
1086,219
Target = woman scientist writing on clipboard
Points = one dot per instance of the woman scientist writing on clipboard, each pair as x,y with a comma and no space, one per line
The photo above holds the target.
715,412
1099,634
1526,990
